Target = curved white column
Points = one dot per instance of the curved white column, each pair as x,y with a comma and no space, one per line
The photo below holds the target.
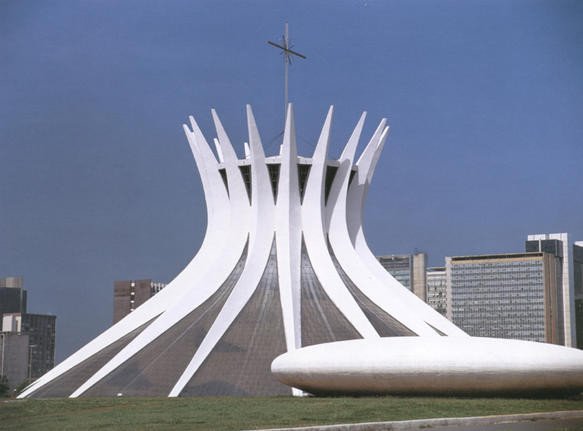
313,219
228,245
288,233
356,193
348,258
355,202
345,165
260,242
218,212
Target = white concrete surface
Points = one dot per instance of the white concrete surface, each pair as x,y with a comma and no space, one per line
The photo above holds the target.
431,365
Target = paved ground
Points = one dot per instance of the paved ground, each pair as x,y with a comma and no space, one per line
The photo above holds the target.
551,421
542,425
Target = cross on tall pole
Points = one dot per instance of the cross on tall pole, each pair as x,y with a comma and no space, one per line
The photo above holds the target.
287,60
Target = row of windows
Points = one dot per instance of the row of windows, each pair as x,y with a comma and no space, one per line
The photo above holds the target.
514,266
498,264
455,277
503,313
493,294
483,294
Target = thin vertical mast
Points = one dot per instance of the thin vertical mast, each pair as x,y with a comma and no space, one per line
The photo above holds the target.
286,61
287,52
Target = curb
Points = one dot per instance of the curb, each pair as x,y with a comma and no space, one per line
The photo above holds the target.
440,422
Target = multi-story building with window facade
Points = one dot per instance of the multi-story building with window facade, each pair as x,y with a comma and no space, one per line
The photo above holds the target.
41,330
130,294
578,288
558,245
505,295
19,328
14,360
12,295
437,289
409,270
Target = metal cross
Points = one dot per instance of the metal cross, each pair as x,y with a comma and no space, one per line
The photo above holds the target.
287,59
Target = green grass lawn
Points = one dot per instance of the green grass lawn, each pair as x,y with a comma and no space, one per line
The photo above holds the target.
250,413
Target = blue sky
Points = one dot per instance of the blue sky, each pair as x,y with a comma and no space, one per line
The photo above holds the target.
484,98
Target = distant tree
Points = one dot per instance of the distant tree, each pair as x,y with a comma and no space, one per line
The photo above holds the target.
4,387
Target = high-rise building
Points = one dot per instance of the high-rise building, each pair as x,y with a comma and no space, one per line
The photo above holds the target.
578,288
399,266
409,270
578,267
130,294
14,356
40,329
437,289
555,248
544,242
14,359
505,295
12,295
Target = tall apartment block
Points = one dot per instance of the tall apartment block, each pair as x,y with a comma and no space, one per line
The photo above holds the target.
409,270
558,244
578,288
505,295
14,360
12,295
41,329
20,328
437,289
130,294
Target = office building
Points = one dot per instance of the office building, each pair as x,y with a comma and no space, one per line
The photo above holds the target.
14,358
578,289
130,294
409,270
437,289
12,295
505,295
14,347
544,242
40,329
399,266
554,247
18,325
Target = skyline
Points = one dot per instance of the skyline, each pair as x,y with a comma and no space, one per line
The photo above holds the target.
98,184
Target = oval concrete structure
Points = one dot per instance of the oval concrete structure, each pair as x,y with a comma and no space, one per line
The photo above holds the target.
426,365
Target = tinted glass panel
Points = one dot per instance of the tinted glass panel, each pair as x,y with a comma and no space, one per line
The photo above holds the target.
322,322
67,383
240,363
385,324
155,369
